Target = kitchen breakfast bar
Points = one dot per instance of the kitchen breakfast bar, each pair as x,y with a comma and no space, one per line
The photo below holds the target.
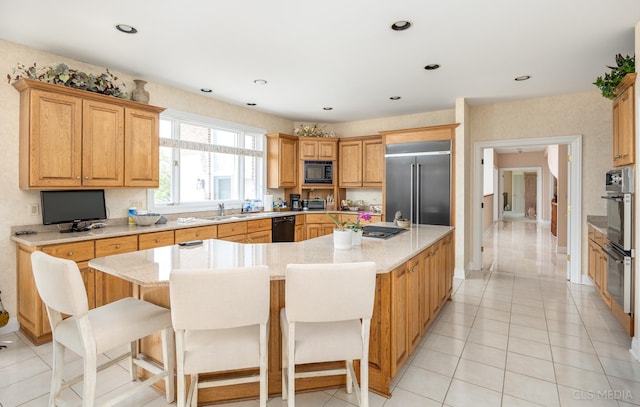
415,274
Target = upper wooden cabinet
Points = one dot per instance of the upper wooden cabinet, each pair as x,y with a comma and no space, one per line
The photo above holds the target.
319,149
76,139
361,162
624,126
282,163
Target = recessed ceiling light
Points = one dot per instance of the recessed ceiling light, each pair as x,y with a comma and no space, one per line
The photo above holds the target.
327,108
206,90
523,78
127,29
432,67
251,104
260,82
395,97
400,25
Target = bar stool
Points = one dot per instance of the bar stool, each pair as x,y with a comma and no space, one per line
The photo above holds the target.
220,318
92,332
327,316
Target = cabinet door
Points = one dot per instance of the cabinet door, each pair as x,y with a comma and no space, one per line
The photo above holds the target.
308,149
110,288
32,314
624,128
327,229
89,279
102,144
350,168
372,163
434,294
51,149
141,141
327,150
197,233
259,237
449,259
299,233
288,164
242,238
603,259
414,323
593,261
313,230
426,316
399,342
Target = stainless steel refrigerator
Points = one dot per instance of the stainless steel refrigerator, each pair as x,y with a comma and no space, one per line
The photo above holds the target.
419,182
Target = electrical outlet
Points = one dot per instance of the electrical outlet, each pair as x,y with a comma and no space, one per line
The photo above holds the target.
34,210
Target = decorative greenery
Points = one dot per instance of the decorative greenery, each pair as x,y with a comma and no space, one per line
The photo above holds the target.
608,84
61,74
356,226
312,130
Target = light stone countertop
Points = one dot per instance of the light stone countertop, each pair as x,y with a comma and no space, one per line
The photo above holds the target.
152,267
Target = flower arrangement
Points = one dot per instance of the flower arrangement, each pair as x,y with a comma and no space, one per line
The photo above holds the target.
61,74
312,130
355,226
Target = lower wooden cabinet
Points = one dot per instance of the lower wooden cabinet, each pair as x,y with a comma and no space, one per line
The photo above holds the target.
155,239
299,234
196,233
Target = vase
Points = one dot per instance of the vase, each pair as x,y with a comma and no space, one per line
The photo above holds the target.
342,239
140,94
356,237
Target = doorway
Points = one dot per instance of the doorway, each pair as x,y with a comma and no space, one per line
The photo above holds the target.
574,193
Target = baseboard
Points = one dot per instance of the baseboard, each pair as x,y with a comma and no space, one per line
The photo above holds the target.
459,273
635,348
12,326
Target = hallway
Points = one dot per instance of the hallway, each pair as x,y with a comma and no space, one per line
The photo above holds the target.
515,335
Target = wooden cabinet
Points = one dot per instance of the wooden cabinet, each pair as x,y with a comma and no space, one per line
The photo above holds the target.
624,126
77,139
155,239
196,233
282,162
318,224
299,234
361,162
598,268
107,287
259,231
351,218
233,232
317,149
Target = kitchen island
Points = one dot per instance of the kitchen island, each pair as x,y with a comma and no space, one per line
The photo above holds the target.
415,273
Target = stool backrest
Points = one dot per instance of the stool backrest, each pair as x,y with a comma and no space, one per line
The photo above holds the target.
59,284
329,292
218,299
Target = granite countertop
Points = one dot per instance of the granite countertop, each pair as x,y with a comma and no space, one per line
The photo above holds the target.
598,222
46,236
152,267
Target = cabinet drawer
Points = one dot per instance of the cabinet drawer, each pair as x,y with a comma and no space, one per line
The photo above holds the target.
299,220
259,237
231,229
199,233
81,251
258,225
319,218
156,239
115,245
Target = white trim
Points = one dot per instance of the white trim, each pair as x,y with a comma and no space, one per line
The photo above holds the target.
538,171
574,268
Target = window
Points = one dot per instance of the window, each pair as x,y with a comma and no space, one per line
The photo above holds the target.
204,162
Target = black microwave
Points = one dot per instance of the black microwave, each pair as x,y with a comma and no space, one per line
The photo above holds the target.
318,172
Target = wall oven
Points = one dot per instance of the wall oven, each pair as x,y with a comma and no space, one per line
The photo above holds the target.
620,251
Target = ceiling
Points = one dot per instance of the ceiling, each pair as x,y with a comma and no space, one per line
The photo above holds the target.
338,54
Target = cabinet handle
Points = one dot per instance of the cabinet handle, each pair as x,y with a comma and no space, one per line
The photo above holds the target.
78,177
198,234
70,254
86,177
617,156
157,240
117,246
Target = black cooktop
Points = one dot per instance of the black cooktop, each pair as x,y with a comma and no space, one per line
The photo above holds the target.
381,232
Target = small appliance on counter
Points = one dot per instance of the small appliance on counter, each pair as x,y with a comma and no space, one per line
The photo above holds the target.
314,204
294,202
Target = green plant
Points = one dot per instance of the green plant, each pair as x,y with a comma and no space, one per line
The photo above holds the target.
610,81
341,225
356,226
312,130
61,74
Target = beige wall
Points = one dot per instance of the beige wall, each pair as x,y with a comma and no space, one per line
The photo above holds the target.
487,212
587,114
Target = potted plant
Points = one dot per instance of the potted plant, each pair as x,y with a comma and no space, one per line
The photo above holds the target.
312,130
342,236
356,228
610,81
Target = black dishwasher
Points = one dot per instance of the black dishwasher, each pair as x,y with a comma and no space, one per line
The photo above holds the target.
283,229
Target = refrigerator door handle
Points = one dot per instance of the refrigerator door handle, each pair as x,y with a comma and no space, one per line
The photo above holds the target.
418,170
411,189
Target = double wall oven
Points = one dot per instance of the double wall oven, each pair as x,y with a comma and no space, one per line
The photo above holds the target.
620,278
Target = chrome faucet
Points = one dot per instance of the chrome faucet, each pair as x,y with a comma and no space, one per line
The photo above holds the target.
221,208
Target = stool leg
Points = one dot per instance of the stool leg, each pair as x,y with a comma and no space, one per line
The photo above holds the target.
133,354
263,365
89,385
168,345
56,374
348,366
291,369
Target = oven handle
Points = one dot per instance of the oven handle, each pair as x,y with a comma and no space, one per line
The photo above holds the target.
616,257
617,198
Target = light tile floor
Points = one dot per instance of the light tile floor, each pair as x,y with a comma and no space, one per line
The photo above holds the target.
515,335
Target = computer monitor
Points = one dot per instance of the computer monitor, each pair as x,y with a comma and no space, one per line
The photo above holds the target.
72,207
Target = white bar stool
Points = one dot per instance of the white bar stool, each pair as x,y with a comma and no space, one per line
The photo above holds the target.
92,332
327,317
221,322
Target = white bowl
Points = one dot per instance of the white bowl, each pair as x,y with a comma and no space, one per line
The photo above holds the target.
145,220
405,224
